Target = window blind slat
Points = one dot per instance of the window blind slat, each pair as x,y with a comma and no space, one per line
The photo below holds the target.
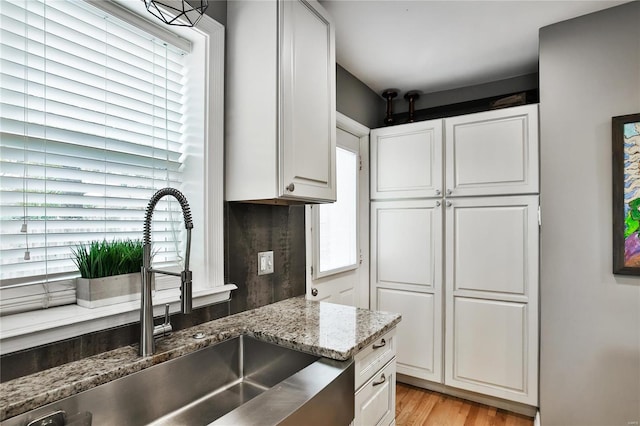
84,70
65,114
16,299
149,147
79,175
112,150
90,98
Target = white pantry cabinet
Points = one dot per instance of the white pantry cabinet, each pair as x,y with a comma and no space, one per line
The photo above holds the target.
478,235
280,102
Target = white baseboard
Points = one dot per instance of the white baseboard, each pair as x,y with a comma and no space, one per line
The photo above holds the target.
537,421
514,407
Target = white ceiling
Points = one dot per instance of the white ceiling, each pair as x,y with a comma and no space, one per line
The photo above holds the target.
439,45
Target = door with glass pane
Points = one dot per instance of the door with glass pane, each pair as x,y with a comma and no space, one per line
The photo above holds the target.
337,233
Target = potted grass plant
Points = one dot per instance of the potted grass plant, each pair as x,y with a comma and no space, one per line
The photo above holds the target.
109,272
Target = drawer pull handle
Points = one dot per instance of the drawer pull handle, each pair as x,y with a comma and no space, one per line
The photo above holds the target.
382,344
381,381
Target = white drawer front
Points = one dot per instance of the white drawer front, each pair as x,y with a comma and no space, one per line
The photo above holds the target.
374,357
376,400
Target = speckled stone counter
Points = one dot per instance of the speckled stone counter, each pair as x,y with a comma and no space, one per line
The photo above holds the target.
322,329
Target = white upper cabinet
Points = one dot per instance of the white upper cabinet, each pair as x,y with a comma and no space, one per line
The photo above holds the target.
493,152
406,161
280,102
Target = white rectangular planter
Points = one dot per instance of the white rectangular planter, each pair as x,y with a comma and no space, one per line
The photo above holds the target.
96,292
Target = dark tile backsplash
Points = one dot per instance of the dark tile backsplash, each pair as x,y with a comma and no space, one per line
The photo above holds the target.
252,228
249,229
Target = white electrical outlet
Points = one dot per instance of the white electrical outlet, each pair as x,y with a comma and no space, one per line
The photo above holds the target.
265,262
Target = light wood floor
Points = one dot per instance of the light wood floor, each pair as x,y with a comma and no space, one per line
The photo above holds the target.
415,406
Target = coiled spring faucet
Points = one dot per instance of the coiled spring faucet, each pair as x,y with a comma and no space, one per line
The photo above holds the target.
148,331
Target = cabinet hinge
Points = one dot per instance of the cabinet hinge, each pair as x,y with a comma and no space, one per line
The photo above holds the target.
539,216
360,161
312,270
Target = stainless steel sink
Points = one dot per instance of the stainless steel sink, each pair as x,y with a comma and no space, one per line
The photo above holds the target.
240,381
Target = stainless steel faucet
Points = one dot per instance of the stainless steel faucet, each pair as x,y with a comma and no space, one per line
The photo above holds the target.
148,331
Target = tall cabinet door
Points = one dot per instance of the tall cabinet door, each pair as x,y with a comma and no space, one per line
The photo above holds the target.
491,343
308,105
406,161
406,277
493,152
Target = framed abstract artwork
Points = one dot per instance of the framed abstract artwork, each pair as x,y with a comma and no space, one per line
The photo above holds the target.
626,194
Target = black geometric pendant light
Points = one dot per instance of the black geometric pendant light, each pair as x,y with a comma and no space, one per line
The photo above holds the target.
184,13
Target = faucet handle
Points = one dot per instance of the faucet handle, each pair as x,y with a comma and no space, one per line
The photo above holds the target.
165,328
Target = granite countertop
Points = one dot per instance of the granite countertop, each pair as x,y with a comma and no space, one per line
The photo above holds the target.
319,328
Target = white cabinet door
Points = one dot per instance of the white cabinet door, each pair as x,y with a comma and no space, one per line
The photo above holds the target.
419,341
406,273
491,343
375,402
489,348
406,244
406,161
493,152
308,105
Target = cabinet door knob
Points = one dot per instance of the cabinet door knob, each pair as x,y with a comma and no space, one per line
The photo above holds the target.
314,292
449,192
437,203
381,381
382,344
449,204
291,187
438,192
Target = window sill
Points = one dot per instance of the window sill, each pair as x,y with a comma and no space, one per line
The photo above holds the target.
35,328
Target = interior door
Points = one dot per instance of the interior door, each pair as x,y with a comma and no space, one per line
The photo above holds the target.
338,233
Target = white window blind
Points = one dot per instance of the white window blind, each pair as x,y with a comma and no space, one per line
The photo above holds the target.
90,127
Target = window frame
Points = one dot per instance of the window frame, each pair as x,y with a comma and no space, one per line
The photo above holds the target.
24,330
315,217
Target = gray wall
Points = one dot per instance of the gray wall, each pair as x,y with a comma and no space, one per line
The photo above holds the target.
218,10
470,93
357,101
590,319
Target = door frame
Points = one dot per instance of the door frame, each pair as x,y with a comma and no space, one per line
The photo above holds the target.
362,133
